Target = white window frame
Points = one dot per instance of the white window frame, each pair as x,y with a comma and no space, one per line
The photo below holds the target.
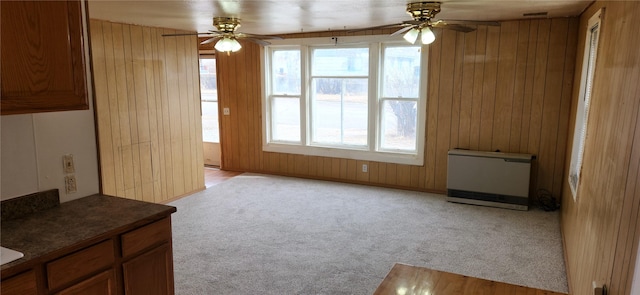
584,101
372,152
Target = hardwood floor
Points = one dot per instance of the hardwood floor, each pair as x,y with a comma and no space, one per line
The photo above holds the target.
412,280
213,176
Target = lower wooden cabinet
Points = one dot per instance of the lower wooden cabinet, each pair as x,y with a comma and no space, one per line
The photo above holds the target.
22,284
136,261
150,273
100,284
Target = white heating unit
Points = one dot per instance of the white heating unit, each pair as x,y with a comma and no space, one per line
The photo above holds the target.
489,178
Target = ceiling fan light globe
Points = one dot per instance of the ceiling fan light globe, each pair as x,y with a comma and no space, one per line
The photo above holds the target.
235,45
427,36
411,36
224,45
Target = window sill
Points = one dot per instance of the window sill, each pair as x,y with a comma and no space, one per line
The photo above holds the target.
353,154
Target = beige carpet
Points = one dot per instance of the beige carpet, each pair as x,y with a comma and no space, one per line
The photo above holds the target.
260,234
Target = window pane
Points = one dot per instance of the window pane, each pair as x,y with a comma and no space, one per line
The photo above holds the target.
401,72
208,83
399,125
285,117
286,72
340,62
210,131
340,111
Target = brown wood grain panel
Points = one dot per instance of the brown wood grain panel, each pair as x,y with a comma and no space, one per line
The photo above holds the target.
505,81
565,107
391,174
103,113
154,111
133,114
343,168
374,172
328,167
313,166
403,175
352,170
382,172
539,80
517,108
335,168
140,105
183,114
457,91
468,70
528,86
253,108
601,226
242,61
414,175
435,50
476,92
445,97
551,103
167,160
489,88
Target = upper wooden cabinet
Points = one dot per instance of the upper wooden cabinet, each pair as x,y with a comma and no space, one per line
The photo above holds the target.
43,57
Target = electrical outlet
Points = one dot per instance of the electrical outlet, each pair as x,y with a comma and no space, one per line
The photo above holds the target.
226,111
67,164
599,288
365,168
70,184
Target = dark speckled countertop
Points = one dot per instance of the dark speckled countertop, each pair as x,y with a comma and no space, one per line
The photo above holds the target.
72,223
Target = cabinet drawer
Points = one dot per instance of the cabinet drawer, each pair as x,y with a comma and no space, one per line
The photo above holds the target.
79,264
145,237
100,284
22,284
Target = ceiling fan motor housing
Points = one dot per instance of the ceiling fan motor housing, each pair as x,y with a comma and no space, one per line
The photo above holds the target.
423,11
226,24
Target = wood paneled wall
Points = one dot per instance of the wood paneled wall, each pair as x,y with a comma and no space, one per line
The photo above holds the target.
602,227
147,111
504,88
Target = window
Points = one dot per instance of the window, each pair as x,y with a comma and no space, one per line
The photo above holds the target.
362,100
584,99
209,100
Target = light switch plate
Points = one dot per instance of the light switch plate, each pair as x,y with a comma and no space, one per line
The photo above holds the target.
67,162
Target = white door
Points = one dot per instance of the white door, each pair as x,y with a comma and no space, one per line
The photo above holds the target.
209,98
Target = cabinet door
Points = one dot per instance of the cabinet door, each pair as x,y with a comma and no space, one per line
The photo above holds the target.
22,284
100,284
42,53
150,273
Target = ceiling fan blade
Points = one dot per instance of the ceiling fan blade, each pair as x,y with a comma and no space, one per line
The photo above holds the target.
471,22
455,27
398,32
378,27
254,36
185,34
210,40
257,41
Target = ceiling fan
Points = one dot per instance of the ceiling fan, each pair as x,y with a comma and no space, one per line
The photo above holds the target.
226,35
423,14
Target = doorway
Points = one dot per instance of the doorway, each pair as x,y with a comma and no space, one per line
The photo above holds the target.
209,101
